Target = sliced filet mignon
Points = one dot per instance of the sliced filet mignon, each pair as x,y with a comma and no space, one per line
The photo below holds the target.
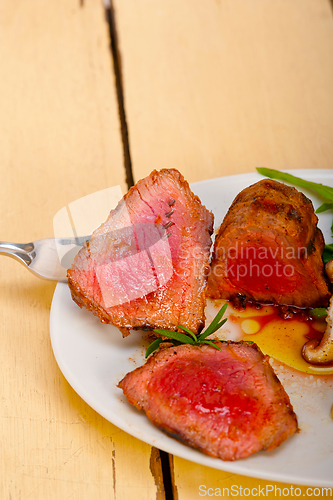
227,403
269,249
147,265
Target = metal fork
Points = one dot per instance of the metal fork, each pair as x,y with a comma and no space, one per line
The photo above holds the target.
42,257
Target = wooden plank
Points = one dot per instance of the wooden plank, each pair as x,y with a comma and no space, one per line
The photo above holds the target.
221,87
224,86
59,140
195,481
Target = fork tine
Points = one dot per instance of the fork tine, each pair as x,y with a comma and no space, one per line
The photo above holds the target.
40,257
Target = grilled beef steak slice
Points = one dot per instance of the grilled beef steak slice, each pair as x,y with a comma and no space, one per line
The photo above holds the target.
147,265
269,249
227,403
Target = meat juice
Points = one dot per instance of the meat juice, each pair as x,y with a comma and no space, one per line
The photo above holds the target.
281,335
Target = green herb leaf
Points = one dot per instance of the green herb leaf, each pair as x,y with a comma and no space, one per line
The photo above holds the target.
319,312
324,207
180,338
221,323
210,343
184,339
328,253
325,191
188,331
153,346
215,324
207,332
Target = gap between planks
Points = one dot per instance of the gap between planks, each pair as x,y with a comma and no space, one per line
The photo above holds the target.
161,463
116,57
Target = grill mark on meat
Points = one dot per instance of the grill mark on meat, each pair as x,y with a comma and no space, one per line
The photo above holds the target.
228,403
294,214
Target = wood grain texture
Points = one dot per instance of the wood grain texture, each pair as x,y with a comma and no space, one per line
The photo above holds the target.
221,87
59,128
59,140
196,481
224,86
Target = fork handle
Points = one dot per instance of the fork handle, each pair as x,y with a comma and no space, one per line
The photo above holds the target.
23,252
16,247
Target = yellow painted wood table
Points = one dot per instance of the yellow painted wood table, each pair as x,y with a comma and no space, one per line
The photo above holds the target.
60,139
93,97
219,88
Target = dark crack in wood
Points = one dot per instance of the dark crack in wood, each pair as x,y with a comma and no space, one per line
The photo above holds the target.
116,57
161,463
172,488
114,471
157,472
161,466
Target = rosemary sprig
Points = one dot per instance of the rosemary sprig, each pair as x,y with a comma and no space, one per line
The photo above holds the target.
180,338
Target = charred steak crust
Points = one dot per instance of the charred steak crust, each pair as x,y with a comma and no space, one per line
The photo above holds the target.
228,403
270,237
163,198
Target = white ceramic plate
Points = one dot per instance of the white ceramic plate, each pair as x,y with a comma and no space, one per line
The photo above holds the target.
94,357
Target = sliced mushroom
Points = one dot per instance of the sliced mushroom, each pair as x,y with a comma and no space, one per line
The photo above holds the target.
321,353
329,270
